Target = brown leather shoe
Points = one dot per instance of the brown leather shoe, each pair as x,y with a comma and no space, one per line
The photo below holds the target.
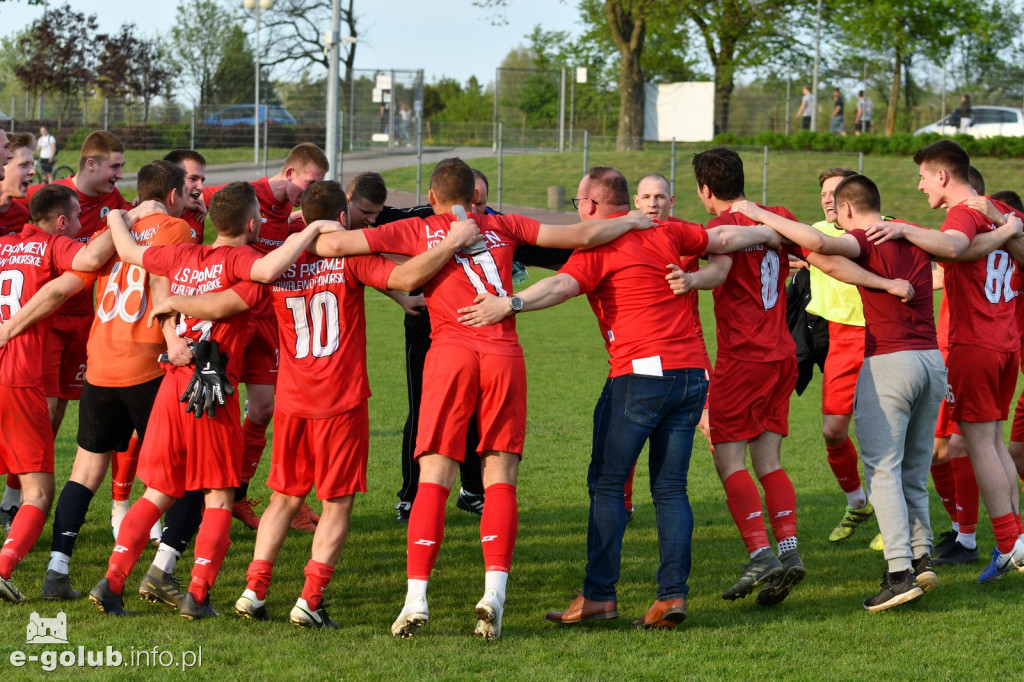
663,615
582,609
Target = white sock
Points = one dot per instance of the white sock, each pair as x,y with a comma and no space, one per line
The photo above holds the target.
415,590
968,540
956,526
59,562
759,550
166,558
857,499
12,498
496,580
787,544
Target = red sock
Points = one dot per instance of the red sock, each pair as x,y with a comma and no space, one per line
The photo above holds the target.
14,481
780,499
627,492
499,526
212,544
945,486
426,529
1005,529
122,471
25,530
1020,524
843,460
318,575
131,540
254,437
745,506
258,577
966,494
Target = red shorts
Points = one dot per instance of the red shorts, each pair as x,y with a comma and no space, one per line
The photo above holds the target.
330,453
26,446
260,363
183,453
944,425
750,398
64,356
981,383
457,382
1017,430
842,367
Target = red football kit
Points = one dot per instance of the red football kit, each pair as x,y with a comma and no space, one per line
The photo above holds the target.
639,315
984,343
28,260
65,362
322,323
15,217
182,452
755,369
467,369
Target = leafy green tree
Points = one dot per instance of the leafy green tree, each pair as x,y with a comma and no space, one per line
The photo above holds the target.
232,81
198,36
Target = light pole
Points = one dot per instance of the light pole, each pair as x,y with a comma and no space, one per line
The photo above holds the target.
257,5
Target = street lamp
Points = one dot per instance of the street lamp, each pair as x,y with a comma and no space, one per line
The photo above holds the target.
257,5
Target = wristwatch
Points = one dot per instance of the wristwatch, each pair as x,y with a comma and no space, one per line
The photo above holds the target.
515,303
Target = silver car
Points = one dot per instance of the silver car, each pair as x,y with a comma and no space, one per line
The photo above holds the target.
985,121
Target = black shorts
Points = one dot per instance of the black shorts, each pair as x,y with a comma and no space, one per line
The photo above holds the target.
46,165
107,416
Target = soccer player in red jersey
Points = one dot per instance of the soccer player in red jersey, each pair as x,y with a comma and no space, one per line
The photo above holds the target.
470,370
28,260
15,176
983,338
654,392
194,165
901,384
123,376
305,164
755,373
325,442
185,452
100,167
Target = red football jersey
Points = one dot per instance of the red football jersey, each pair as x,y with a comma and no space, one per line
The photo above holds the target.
892,326
690,263
980,293
28,260
274,230
193,270
464,276
637,312
750,307
322,333
14,218
94,219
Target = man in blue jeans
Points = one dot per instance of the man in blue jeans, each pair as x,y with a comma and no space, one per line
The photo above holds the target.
655,390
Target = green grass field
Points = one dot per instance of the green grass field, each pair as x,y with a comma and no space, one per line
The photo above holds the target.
820,632
962,630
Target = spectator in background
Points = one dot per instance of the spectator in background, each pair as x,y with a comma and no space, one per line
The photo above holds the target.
404,117
46,145
964,112
862,123
836,126
806,107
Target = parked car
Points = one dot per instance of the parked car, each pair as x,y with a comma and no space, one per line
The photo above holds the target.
986,121
242,113
4,117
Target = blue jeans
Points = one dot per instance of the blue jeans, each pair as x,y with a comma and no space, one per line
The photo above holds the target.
632,410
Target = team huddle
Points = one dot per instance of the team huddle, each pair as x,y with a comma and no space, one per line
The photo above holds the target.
123,308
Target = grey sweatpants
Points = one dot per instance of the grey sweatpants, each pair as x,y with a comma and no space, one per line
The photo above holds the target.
894,409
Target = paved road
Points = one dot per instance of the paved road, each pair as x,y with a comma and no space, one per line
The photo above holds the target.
358,162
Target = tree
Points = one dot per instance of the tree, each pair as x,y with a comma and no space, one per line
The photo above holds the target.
295,28
232,82
900,30
200,32
131,68
56,56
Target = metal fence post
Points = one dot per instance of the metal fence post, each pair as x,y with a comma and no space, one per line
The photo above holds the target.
561,112
501,139
764,188
341,146
192,144
672,175
586,149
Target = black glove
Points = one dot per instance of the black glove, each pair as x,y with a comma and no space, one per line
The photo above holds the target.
209,384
